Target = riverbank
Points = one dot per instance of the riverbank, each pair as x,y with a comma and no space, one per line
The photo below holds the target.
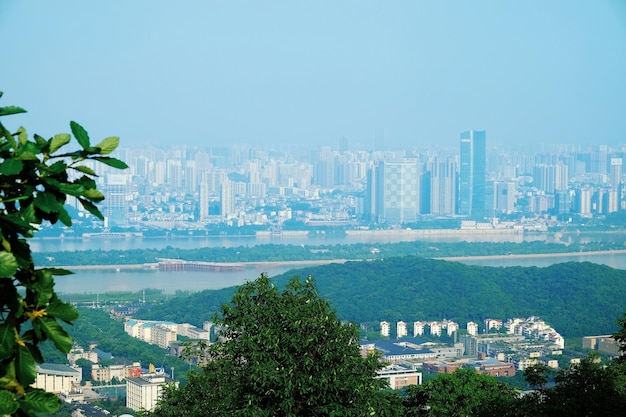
306,263
534,255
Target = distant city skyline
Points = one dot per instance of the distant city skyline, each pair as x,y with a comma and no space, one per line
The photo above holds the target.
407,73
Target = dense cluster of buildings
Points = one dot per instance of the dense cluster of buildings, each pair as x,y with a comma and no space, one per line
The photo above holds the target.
499,350
532,327
247,186
164,333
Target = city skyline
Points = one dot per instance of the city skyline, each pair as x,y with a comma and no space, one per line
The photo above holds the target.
375,74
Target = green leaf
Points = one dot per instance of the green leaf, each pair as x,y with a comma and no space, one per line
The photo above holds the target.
65,217
40,140
86,182
25,369
56,333
91,208
47,203
22,136
11,167
8,110
7,341
62,311
112,162
8,265
28,214
72,189
58,271
55,168
93,195
59,140
8,403
80,134
40,402
85,170
108,145
43,287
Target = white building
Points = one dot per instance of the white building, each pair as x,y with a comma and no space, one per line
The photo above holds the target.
57,378
161,335
142,393
418,328
401,329
435,328
143,330
451,327
385,328
399,376
492,324
472,328
79,353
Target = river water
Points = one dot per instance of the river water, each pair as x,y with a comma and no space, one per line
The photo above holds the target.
100,281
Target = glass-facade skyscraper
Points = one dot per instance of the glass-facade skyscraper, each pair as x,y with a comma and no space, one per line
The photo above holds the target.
393,194
473,174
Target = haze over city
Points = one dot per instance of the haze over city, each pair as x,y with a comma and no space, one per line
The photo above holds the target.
214,73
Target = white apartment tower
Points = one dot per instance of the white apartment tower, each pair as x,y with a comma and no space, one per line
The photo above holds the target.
472,328
401,329
385,328
418,328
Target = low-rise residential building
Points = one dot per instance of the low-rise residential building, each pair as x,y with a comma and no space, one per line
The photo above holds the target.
492,324
394,351
400,375
605,344
79,353
492,366
107,373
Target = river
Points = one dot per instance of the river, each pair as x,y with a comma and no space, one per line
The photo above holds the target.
100,281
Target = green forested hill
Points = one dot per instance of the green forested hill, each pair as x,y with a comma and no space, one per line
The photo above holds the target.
576,298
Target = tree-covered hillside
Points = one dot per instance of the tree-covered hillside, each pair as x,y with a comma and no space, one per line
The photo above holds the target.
576,298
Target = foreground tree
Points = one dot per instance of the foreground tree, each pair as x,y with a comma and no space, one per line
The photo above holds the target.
462,393
283,353
35,179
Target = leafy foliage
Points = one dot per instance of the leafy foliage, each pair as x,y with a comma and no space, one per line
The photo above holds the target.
283,353
585,389
35,179
462,393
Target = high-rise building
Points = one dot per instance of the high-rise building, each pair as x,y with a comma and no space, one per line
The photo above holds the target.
472,174
616,172
443,187
394,191
227,198
115,207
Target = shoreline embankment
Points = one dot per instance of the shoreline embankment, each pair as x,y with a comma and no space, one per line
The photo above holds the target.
305,263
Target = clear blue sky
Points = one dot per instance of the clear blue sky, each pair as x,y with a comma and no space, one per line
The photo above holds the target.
278,72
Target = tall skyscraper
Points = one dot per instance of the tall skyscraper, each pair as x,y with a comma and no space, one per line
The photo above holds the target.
115,207
472,174
443,186
227,198
395,189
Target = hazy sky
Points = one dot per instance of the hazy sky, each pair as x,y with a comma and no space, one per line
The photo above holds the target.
223,72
